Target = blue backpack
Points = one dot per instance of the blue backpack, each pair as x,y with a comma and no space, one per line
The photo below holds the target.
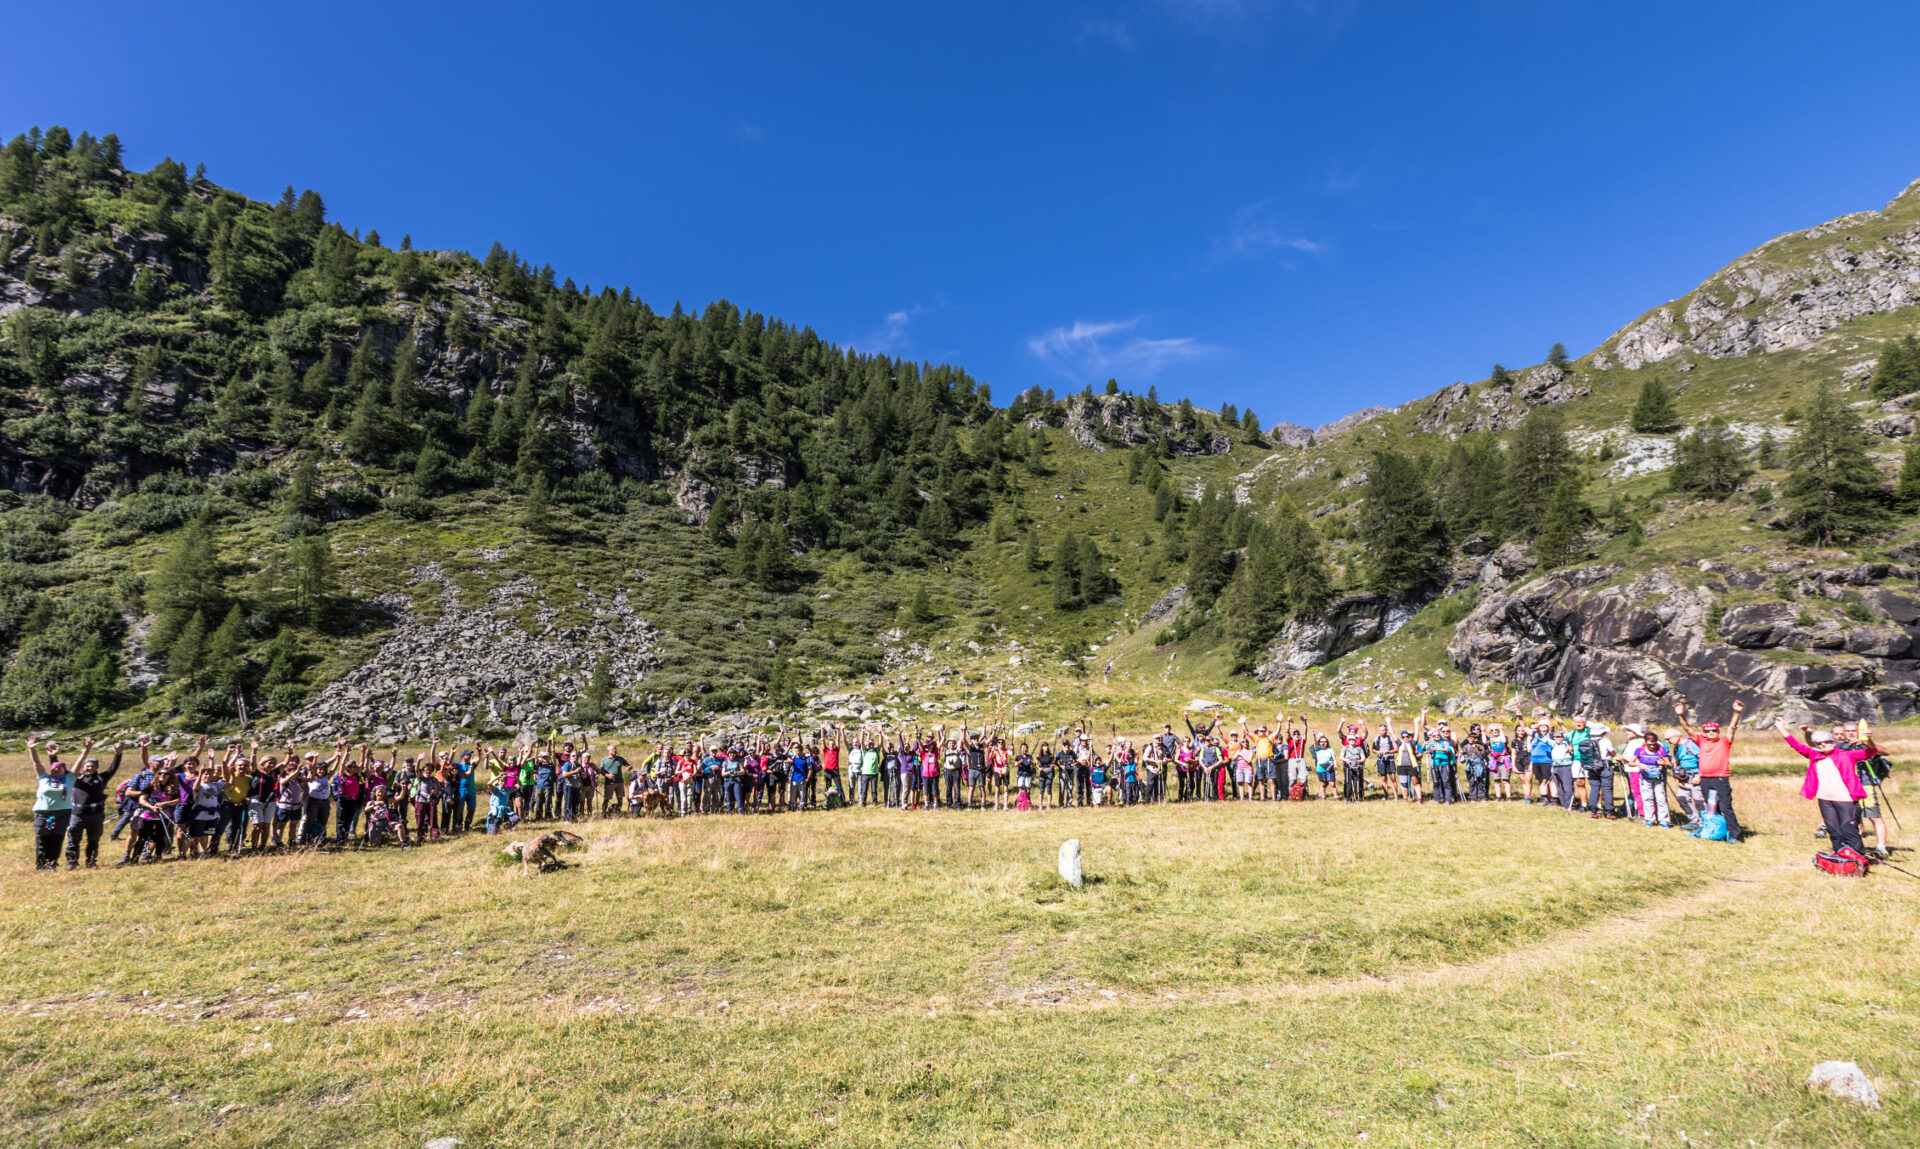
1712,828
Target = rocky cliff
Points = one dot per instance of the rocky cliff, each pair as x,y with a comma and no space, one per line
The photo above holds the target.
1767,634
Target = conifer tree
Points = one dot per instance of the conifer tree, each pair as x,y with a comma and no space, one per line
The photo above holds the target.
224,648
1537,457
1066,573
1208,563
536,512
311,562
1898,369
1709,461
1566,519
920,610
598,700
1833,492
1557,356
1030,552
1654,412
1906,490
188,649
187,583
1399,526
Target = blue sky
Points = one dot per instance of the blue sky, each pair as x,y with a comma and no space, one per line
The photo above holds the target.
1301,206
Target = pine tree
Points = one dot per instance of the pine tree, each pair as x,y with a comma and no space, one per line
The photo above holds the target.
1557,356
302,494
1500,376
1537,457
1566,519
920,611
783,681
310,560
1709,461
1833,492
1030,552
187,583
224,648
1906,491
536,512
188,649
1398,524
403,396
1898,371
1654,412
1209,565
598,700
1066,573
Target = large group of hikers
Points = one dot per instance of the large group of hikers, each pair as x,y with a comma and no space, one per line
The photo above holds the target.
254,798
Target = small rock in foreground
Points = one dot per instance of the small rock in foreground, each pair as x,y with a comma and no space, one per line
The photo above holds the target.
1844,1079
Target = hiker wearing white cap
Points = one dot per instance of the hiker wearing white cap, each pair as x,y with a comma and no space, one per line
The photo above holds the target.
1833,781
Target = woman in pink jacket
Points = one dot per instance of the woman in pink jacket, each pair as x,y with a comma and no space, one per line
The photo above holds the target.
1833,780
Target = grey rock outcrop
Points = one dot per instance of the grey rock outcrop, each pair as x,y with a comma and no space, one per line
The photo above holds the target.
1773,300
1587,644
429,674
1099,421
1347,624
1464,407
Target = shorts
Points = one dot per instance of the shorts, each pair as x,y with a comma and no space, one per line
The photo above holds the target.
1542,771
1325,773
1263,770
976,777
259,810
203,826
1867,811
1500,771
1407,770
1026,781
286,814
1385,765
1243,774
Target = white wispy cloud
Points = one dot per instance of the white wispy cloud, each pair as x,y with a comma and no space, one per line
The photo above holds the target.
1087,352
748,133
895,333
1257,231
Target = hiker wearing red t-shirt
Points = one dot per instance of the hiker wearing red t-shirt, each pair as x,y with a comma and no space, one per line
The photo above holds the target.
1716,762
831,738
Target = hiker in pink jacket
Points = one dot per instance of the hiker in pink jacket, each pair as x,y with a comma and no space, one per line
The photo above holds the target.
1833,780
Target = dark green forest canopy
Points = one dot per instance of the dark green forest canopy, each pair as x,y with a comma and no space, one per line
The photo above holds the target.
208,329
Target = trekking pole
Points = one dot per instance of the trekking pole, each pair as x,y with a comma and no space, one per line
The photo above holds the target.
1880,792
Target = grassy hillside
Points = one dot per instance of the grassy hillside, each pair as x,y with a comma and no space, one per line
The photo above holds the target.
248,413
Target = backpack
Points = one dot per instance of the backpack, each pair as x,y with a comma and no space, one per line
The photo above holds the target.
1848,862
1297,792
1877,768
1712,828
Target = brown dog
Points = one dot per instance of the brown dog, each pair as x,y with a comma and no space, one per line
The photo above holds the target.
541,850
654,802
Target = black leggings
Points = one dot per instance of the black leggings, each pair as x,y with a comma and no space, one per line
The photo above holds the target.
1843,824
49,828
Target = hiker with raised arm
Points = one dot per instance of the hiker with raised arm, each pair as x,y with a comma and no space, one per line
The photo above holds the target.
1716,762
1832,781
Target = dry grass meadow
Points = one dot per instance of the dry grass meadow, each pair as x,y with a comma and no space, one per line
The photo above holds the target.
1295,975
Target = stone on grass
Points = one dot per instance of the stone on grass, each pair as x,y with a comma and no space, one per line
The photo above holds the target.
444,1143
1844,1080
1070,862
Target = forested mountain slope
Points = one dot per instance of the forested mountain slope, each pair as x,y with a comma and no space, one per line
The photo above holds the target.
253,459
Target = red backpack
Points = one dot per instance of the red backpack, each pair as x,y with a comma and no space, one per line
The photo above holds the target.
1297,792
1847,862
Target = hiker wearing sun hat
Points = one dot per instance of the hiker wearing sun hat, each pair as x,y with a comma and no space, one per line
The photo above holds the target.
1716,762
1833,781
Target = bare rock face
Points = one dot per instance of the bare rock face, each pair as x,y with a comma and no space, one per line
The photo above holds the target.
1628,651
1349,623
1770,300
1465,407
1291,434
1100,421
